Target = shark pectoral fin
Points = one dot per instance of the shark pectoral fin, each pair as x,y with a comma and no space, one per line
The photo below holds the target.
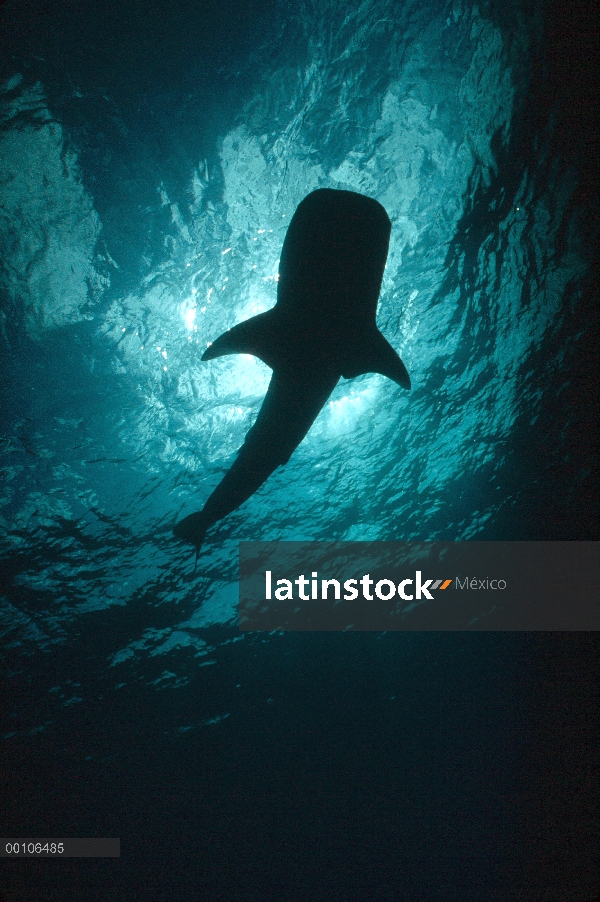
255,336
377,355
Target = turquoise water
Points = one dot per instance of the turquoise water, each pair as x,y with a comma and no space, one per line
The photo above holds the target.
149,165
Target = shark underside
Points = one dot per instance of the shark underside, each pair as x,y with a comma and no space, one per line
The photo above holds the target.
321,328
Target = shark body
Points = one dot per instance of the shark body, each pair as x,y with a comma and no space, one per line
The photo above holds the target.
321,328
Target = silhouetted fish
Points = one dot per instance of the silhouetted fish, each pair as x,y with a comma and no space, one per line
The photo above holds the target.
322,327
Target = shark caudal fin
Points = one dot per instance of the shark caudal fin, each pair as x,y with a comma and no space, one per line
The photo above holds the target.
192,529
376,355
256,336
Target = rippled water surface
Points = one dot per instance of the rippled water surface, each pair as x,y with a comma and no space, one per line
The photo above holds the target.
150,162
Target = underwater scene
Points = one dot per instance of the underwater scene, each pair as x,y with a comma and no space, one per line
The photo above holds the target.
152,158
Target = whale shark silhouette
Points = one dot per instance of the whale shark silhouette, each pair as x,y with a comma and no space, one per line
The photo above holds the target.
322,327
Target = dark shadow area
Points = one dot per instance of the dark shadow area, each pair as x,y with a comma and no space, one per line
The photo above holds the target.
554,147
348,765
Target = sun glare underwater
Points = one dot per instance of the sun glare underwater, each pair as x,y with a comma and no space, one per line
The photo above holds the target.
145,200
113,425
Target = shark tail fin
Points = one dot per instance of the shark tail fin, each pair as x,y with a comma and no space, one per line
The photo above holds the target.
376,355
192,530
254,336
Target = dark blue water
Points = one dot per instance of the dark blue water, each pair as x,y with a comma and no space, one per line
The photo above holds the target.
151,157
